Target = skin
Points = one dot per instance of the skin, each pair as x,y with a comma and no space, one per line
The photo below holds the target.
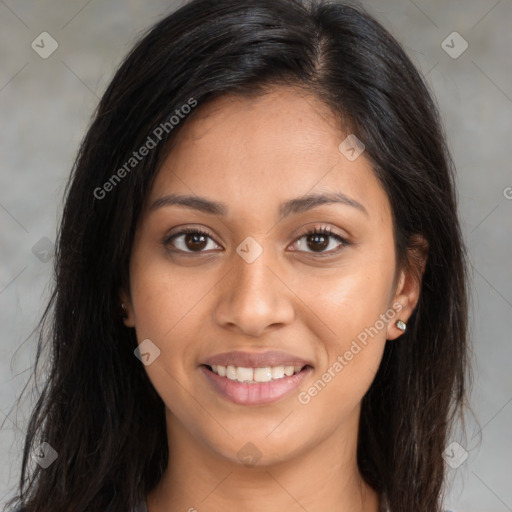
252,154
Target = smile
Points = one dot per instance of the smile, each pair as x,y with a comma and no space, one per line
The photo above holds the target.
254,375
254,386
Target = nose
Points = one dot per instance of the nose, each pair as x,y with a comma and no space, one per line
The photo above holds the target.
253,297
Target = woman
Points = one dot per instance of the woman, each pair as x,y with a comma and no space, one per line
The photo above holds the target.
260,297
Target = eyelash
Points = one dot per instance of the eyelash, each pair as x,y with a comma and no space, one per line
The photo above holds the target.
323,230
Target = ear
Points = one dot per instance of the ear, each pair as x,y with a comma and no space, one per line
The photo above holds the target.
408,286
127,308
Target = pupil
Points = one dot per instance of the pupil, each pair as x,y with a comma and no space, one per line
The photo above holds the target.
316,238
193,241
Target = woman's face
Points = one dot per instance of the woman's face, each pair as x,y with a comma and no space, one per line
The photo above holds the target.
254,290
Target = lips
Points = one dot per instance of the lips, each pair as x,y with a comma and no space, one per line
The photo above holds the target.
258,393
256,360
247,378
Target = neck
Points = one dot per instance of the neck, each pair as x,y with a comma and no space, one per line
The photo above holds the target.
321,477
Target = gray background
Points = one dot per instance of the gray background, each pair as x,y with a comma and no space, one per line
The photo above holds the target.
45,108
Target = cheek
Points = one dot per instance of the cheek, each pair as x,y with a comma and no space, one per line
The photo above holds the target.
163,300
353,307
169,310
352,355
350,299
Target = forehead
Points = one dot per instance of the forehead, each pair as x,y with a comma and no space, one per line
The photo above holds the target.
283,117
253,151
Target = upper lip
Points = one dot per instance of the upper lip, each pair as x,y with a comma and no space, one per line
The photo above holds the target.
256,360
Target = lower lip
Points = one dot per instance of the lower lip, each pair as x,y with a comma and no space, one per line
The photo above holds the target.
259,393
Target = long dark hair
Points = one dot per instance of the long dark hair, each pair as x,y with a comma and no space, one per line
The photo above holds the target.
97,402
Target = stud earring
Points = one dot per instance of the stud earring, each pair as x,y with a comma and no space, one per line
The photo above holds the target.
401,325
123,307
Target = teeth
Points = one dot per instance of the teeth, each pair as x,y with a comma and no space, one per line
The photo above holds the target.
288,370
244,374
263,374
231,372
252,375
278,372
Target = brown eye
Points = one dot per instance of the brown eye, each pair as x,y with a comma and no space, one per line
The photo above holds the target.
317,242
190,241
195,241
319,239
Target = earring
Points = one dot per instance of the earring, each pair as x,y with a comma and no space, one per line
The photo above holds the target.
123,307
401,325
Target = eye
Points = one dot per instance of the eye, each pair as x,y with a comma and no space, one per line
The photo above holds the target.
190,240
321,241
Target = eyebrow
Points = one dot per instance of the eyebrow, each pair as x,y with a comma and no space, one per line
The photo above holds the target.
293,206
